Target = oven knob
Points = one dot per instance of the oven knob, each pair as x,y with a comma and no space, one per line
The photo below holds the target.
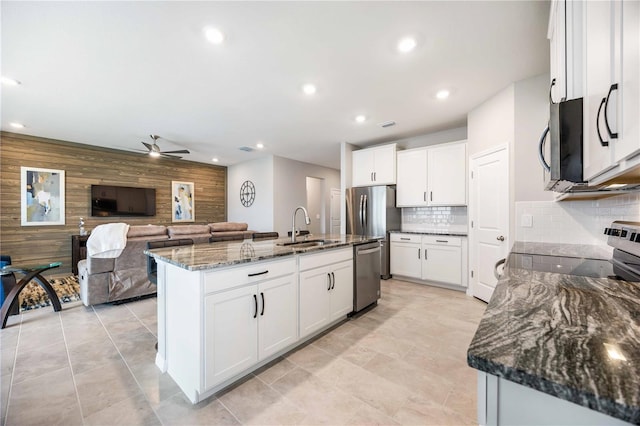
638,238
632,238
623,234
607,231
615,232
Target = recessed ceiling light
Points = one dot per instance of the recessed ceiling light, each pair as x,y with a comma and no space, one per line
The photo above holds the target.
360,118
215,159
214,35
17,125
259,145
443,94
10,81
309,89
407,44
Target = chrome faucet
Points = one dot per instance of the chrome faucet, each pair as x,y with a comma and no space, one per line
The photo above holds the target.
293,222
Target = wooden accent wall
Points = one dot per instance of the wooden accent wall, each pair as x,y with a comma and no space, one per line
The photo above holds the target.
85,165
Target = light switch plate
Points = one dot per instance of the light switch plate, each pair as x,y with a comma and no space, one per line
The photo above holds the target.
526,221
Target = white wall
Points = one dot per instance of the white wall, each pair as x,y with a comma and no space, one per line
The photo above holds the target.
531,116
315,206
451,135
576,222
345,180
259,215
492,122
290,191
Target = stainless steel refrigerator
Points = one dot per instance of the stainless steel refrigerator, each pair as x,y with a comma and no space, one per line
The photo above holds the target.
372,211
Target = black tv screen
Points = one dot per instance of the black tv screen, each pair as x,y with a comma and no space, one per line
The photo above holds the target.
109,200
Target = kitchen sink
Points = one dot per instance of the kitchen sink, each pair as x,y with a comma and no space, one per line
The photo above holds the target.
308,243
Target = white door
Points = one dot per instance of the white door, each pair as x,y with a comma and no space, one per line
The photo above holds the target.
406,259
447,175
442,263
278,317
384,165
362,167
315,300
230,334
341,289
336,202
411,187
489,216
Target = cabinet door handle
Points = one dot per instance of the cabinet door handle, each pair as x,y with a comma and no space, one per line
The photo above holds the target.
442,241
405,239
612,135
258,273
333,278
602,141
255,303
553,83
418,254
425,254
430,195
371,176
262,296
424,197
329,281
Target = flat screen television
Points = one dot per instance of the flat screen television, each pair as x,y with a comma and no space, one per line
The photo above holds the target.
109,200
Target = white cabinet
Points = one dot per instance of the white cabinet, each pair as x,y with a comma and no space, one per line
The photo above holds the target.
411,188
442,259
326,289
231,334
374,166
439,259
247,324
406,254
447,175
433,176
611,86
565,37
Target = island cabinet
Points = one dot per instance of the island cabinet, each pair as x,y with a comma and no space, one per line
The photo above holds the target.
433,176
245,325
326,289
374,166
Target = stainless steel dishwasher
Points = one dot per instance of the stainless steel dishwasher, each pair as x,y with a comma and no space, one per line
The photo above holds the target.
366,275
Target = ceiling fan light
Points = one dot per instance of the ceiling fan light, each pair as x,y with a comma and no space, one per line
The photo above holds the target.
154,154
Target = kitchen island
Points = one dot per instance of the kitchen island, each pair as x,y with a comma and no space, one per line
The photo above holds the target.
227,308
559,348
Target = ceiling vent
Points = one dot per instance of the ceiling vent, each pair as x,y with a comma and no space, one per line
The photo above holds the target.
246,148
387,124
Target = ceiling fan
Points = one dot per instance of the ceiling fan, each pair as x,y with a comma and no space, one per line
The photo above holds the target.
154,150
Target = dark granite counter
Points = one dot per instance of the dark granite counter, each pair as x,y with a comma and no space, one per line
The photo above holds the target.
573,337
214,255
434,232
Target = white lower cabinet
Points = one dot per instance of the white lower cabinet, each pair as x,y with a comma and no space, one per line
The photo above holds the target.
245,325
429,258
326,289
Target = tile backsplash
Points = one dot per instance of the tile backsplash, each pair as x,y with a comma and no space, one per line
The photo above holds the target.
573,222
431,219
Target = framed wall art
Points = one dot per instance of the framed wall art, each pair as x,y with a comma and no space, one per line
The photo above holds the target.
41,196
183,202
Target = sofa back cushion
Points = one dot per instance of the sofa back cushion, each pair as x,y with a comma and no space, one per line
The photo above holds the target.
228,226
175,231
146,231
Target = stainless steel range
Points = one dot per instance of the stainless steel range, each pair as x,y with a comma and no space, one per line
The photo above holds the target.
624,237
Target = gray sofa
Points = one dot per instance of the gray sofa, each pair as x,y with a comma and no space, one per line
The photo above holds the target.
125,277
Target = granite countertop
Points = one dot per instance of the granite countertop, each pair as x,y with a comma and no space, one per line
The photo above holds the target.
226,253
573,337
433,232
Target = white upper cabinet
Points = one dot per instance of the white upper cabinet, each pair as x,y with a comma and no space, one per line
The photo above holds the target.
374,166
447,175
411,189
611,85
565,37
433,176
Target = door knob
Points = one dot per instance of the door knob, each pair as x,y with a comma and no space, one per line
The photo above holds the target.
500,238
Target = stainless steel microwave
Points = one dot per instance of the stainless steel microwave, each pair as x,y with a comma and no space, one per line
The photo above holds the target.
565,147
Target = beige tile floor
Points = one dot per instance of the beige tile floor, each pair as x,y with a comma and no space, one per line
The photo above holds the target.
403,362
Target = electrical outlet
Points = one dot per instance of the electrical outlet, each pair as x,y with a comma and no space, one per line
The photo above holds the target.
526,221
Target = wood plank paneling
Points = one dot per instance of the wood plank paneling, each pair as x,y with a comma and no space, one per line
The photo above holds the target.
85,165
